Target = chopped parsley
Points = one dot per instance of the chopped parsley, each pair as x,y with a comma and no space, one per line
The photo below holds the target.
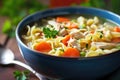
62,50
91,38
101,36
55,49
86,45
21,75
49,33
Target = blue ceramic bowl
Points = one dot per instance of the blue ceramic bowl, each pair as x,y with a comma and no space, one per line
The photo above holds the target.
67,68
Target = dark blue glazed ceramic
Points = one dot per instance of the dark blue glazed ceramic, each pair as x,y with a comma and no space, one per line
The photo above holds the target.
69,68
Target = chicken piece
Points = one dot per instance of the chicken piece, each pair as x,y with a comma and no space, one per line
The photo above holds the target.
81,20
108,35
96,20
63,32
76,34
73,43
86,33
56,25
103,45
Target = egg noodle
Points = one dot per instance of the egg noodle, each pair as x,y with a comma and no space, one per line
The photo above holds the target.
76,37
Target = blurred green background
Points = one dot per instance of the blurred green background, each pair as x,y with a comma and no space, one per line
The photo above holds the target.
16,10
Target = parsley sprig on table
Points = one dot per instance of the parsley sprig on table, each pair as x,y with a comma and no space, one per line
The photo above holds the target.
21,75
49,33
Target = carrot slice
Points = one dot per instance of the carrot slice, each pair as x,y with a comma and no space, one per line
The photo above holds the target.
71,52
43,46
71,25
66,39
117,29
92,32
116,40
62,19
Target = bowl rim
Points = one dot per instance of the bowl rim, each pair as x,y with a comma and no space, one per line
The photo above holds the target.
59,57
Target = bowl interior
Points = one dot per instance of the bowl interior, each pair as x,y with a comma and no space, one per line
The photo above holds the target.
65,11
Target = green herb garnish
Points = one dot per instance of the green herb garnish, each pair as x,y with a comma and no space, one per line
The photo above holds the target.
118,47
50,33
62,50
101,36
101,33
66,27
21,75
83,26
91,38
86,45
55,49
73,20
82,54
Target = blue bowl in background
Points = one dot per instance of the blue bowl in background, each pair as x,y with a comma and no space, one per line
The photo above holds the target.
68,68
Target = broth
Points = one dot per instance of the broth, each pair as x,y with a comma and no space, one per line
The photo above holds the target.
73,36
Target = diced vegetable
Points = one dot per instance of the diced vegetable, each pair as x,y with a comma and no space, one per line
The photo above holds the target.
92,31
66,39
118,47
117,40
71,25
62,19
117,29
71,52
82,26
43,46
82,54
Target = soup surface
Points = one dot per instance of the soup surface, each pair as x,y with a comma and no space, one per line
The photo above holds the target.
79,36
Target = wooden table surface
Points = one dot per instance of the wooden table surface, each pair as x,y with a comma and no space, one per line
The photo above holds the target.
6,72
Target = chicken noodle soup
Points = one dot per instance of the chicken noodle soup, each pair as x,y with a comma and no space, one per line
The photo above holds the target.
73,37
